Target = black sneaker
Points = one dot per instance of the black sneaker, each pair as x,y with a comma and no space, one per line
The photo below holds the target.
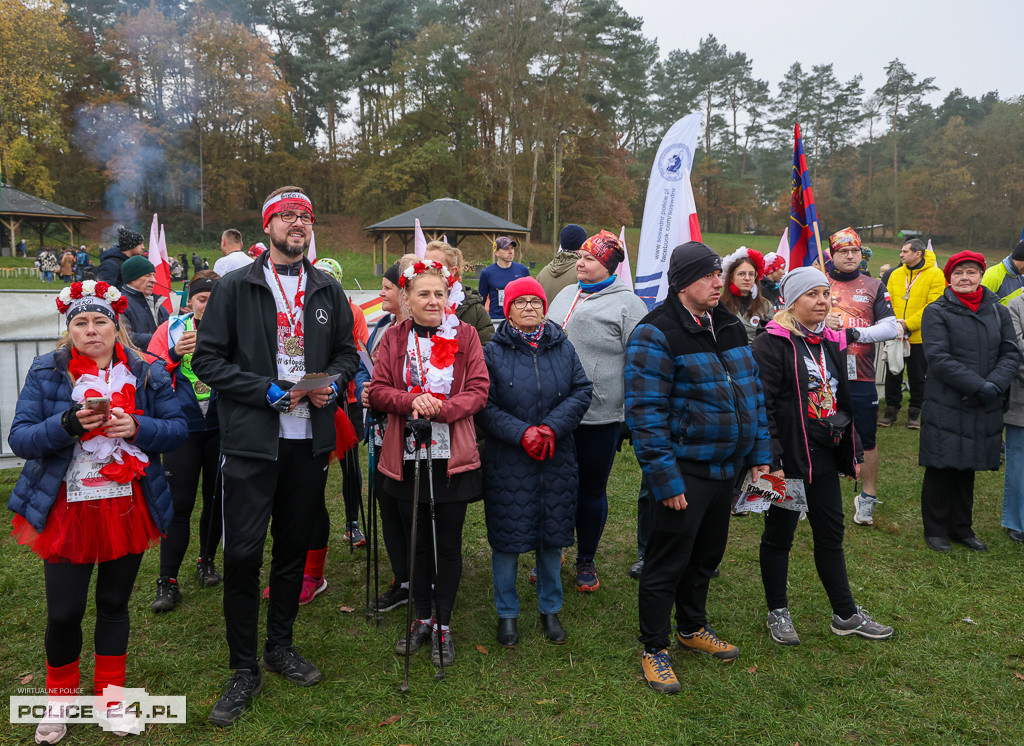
393,597
287,661
167,595
420,633
447,648
242,687
207,572
636,569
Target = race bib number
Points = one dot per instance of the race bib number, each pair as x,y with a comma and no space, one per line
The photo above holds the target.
440,445
851,367
84,481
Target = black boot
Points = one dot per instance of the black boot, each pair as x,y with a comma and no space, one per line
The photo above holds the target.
914,418
553,628
889,418
507,635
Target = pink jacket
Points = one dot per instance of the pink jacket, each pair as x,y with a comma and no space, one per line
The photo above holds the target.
468,396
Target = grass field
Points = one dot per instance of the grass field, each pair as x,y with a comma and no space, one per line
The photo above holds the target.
952,674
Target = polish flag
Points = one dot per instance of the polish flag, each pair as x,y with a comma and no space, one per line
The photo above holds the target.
158,258
420,241
623,269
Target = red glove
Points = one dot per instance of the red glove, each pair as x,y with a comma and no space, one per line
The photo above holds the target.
533,443
549,441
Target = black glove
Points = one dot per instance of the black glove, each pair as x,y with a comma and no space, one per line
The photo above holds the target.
71,423
989,392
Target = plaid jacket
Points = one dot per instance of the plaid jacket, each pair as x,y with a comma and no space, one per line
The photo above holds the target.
694,403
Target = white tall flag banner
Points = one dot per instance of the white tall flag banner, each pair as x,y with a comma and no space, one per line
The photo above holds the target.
311,254
783,249
623,269
419,245
670,214
929,247
157,255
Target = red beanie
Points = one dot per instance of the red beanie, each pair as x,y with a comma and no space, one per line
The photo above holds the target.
961,257
523,286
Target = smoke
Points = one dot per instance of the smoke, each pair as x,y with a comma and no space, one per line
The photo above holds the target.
133,160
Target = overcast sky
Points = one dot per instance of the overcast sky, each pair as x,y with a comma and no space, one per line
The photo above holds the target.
973,45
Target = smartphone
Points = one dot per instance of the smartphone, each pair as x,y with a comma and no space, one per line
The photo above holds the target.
100,404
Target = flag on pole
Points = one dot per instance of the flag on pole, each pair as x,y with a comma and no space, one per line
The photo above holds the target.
929,246
783,249
804,238
311,254
623,269
158,258
670,214
420,241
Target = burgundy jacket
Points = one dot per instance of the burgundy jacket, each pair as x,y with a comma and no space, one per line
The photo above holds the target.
468,396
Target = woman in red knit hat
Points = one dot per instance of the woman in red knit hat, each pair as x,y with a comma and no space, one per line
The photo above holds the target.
743,271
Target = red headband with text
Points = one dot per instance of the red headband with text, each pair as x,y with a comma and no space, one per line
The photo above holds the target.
285,202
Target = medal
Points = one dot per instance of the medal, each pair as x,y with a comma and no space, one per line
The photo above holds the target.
201,388
906,295
293,346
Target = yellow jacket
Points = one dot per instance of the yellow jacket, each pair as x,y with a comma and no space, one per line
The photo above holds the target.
925,285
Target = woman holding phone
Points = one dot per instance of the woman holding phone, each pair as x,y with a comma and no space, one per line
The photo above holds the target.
92,491
174,342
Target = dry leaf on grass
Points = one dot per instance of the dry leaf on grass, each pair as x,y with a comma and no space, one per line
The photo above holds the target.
752,669
346,609
390,721
27,678
481,649
1018,674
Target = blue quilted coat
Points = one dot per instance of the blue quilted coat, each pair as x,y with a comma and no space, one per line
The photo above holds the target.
37,435
531,504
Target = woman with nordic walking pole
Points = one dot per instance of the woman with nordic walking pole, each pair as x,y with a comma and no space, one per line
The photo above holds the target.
430,367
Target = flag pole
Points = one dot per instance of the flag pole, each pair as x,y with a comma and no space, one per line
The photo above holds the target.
818,262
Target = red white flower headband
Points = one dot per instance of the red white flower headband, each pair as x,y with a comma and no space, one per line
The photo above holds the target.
418,268
91,295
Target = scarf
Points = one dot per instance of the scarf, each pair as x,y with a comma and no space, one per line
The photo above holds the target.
593,287
971,300
531,338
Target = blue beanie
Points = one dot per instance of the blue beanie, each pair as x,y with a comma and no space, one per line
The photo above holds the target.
571,237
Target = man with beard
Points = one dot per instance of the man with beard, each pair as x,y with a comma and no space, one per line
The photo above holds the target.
275,442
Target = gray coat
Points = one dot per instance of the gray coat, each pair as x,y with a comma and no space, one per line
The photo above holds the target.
1015,414
964,350
599,329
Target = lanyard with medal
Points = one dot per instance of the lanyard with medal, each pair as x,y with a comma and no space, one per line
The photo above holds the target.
293,345
828,402
906,295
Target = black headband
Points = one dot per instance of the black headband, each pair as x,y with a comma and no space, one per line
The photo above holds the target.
391,274
81,305
201,285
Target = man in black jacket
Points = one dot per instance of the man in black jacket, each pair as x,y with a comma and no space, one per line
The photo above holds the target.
265,329
145,311
129,243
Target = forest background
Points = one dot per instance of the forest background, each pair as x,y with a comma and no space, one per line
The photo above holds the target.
378,106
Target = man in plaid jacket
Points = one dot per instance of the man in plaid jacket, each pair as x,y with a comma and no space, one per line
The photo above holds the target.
695,408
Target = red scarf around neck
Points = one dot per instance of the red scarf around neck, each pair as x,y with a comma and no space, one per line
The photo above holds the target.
972,300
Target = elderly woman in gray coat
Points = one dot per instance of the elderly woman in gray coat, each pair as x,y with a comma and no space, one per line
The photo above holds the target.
1013,419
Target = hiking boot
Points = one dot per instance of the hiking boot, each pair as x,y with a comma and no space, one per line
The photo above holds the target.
913,419
447,648
355,536
394,596
864,506
286,660
658,672
780,626
586,577
861,624
889,418
207,573
242,687
420,633
311,588
167,595
636,569
705,641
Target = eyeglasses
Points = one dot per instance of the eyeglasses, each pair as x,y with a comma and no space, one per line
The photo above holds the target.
521,303
291,217
746,275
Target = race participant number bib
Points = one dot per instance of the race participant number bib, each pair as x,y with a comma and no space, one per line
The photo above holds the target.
440,443
84,481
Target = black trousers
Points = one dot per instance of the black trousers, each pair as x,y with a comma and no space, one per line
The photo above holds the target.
448,574
645,510
199,454
825,514
947,502
287,495
917,368
595,453
67,590
393,530
684,548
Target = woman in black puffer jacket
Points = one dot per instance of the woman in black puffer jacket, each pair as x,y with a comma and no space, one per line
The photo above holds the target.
972,355
539,394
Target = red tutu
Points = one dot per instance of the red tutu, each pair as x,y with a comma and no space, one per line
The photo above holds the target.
91,531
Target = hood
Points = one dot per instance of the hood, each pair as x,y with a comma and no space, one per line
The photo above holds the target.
929,259
113,253
472,295
563,262
777,330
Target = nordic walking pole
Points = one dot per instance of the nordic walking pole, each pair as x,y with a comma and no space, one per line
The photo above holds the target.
433,529
411,428
371,499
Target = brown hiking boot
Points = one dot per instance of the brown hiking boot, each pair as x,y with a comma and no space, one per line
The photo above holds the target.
914,419
887,419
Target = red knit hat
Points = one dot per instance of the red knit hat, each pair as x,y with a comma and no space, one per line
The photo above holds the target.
524,286
960,258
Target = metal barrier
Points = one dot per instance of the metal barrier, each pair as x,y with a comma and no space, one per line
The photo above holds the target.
16,356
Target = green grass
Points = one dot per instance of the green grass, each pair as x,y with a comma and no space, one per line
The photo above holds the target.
948,676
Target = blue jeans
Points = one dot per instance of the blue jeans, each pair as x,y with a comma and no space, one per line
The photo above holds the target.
47,276
1013,487
505,566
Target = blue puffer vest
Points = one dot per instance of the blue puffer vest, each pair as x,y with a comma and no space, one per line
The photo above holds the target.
38,437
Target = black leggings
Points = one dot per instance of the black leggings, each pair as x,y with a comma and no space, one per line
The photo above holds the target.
67,590
450,519
200,453
595,453
825,514
351,490
393,530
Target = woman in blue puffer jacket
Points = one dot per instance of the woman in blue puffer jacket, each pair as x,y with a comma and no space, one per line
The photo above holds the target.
91,421
538,396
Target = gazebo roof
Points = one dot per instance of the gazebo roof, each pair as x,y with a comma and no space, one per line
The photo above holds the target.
17,203
448,214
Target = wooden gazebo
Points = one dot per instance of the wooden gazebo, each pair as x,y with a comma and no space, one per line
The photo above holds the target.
442,217
18,208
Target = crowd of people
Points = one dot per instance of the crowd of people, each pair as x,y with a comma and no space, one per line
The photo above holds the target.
749,388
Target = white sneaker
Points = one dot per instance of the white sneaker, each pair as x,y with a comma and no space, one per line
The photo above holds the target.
865,508
50,731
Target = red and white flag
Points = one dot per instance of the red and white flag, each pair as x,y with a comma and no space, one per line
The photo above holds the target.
783,249
158,258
